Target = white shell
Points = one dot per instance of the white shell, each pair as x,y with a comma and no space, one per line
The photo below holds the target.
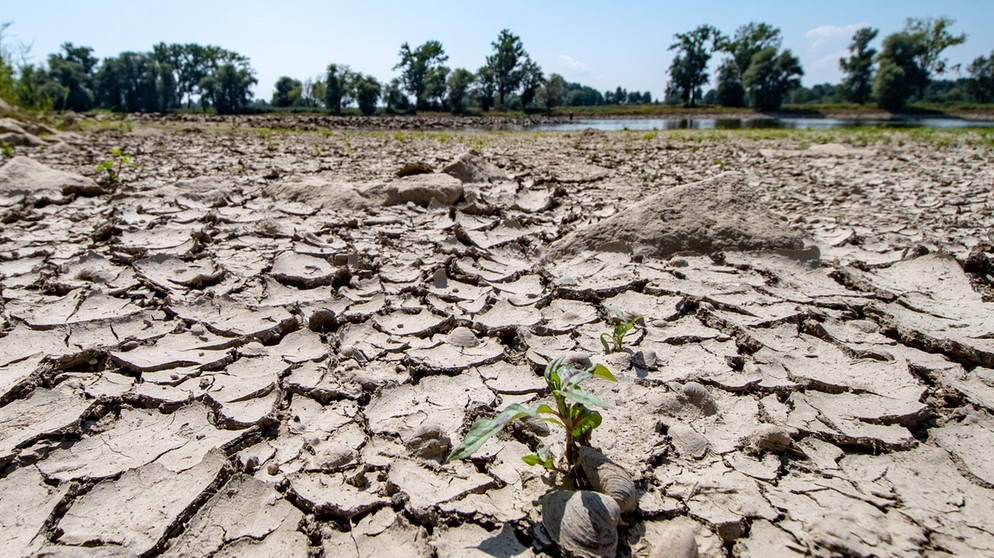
462,337
608,477
583,523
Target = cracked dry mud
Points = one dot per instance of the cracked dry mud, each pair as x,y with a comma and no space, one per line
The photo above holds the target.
264,343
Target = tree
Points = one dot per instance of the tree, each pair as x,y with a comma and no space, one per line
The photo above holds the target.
435,85
366,91
393,96
458,86
229,88
899,55
857,85
980,85
287,92
688,71
127,83
7,85
486,85
748,40
770,77
933,37
890,86
74,70
416,64
312,92
336,87
505,63
553,91
531,80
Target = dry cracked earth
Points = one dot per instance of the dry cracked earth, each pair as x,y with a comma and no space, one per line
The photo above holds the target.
264,339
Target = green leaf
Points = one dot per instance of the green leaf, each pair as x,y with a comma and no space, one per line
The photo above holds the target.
543,408
606,340
577,395
552,373
541,457
617,313
483,429
601,371
589,422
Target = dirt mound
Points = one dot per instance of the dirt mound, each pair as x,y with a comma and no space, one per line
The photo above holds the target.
24,179
713,215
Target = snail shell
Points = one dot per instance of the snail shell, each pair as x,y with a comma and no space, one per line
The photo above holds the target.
608,477
769,437
700,396
463,337
583,523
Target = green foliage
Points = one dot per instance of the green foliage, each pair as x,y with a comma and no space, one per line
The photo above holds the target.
857,85
458,85
531,80
393,95
688,72
933,37
366,90
288,92
572,412
7,150
435,83
336,87
74,71
486,86
228,88
112,168
770,77
415,65
553,91
980,86
505,63
614,341
748,40
891,87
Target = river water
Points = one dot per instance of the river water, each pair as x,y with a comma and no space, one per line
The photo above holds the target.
752,123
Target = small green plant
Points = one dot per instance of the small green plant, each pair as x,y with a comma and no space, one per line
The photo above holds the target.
112,167
614,340
7,149
572,412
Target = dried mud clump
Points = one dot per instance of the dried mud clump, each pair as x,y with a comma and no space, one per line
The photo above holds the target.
266,345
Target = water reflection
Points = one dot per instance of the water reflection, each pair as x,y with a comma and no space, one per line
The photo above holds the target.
753,123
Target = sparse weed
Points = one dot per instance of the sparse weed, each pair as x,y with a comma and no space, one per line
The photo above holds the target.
7,149
572,412
614,340
111,168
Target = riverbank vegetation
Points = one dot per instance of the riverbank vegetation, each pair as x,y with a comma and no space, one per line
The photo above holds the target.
904,75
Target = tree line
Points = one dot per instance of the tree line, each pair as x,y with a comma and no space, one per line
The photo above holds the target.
755,71
184,76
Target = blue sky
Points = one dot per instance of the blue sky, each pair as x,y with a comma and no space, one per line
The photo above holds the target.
601,44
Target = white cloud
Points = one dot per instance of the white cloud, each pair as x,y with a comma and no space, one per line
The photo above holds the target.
573,63
831,60
832,33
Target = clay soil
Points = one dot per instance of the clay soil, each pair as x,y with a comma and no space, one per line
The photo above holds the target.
264,338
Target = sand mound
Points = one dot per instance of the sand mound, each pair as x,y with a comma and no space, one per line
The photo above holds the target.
713,215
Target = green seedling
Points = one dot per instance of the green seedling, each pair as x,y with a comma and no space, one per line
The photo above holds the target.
572,411
614,341
112,167
7,149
